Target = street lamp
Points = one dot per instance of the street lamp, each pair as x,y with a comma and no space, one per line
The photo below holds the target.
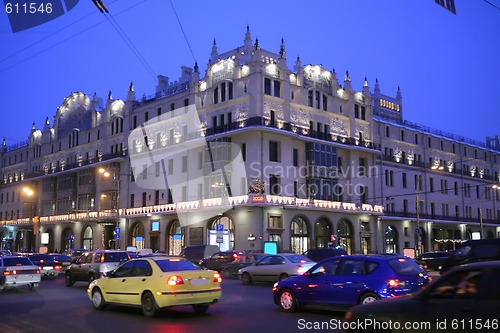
105,173
481,233
34,213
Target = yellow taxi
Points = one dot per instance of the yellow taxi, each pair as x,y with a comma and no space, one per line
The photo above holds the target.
154,283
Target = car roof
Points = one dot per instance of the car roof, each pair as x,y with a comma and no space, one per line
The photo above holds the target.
481,264
382,257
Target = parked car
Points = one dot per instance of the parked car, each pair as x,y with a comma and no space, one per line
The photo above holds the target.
50,265
219,259
75,253
275,267
93,264
320,253
154,283
465,299
195,253
230,270
18,271
342,282
432,260
473,251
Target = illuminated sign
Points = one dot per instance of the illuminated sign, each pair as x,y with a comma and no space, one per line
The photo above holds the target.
257,198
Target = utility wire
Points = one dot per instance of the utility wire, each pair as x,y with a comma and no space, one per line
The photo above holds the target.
124,36
182,29
492,4
60,42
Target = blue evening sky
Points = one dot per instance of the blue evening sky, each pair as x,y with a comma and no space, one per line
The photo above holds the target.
448,66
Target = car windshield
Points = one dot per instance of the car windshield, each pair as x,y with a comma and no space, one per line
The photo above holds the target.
404,266
20,261
174,264
60,257
299,259
115,256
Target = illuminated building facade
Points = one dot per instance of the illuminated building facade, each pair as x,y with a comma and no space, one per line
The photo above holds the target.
314,158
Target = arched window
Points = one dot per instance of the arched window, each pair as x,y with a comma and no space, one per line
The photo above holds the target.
226,242
87,239
67,240
391,239
322,232
299,235
176,240
344,232
138,236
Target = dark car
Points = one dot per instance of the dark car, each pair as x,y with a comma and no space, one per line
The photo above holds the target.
51,265
342,282
320,253
230,270
432,260
472,251
93,265
219,259
465,299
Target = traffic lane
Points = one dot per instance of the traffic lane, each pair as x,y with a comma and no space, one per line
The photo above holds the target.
57,308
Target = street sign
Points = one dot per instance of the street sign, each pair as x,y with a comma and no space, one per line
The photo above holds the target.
219,228
116,233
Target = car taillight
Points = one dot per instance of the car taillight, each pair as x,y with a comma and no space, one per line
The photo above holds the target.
6,272
301,269
395,283
101,258
57,268
217,278
175,280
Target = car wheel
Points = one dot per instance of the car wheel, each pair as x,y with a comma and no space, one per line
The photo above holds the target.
288,303
246,278
33,286
200,308
98,299
283,276
226,274
368,298
68,280
148,305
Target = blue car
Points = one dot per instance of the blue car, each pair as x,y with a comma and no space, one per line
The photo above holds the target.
342,282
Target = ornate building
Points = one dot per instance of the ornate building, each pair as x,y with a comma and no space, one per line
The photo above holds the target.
250,152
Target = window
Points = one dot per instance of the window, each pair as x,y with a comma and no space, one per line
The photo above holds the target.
267,86
387,131
170,166
277,88
274,154
362,167
416,139
431,184
244,151
402,137
184,164
404,179
216,95
295,157
274,185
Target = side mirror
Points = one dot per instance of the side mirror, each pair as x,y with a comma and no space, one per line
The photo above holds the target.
109,274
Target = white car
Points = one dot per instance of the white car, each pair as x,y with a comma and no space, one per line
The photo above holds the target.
18,271
275,267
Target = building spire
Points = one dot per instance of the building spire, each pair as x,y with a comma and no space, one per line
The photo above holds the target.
214,54
131,87
110,95
256,46
282,49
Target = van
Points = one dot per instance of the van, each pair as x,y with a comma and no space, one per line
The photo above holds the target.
196,253
473,251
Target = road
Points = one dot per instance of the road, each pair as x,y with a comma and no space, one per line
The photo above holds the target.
55,308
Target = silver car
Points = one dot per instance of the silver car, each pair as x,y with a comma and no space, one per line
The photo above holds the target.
275,267
93,264
18,271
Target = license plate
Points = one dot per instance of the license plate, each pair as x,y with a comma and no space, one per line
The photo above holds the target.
48,267
196,282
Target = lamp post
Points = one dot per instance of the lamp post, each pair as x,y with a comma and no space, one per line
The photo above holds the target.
481,229
105,173
34,213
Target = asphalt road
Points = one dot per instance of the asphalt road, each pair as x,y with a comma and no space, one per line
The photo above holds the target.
55,308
